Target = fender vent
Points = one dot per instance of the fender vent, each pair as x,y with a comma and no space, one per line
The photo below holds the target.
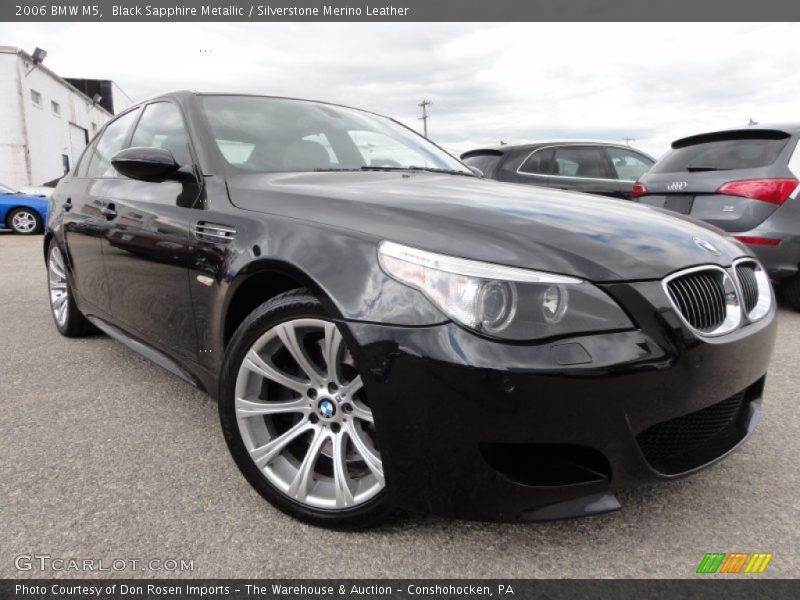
213,232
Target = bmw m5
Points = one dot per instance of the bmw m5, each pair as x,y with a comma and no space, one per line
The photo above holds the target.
384,330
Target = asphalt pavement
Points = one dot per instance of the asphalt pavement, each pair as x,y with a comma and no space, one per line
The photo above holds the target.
104,455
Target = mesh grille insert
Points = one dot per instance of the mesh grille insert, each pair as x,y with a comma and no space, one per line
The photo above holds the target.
692,440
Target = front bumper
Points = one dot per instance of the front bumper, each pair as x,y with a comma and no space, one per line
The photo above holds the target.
479,429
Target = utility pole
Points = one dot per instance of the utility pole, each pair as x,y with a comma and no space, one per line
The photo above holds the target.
424,118
628,140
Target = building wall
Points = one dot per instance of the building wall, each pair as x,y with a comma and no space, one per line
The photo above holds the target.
13,152
34,137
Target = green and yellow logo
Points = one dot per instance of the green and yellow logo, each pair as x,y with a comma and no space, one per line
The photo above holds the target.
734,562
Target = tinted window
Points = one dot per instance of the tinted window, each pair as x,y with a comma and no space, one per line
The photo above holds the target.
161,126
579,161
628,165
274,134
540,162
111,141
485,162
741,150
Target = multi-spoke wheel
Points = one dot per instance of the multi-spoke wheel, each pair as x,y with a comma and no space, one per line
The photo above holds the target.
297,418
69,320
25,221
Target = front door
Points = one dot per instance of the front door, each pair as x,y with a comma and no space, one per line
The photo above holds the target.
86,220
151,237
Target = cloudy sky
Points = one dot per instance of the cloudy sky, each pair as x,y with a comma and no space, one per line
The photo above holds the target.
487,82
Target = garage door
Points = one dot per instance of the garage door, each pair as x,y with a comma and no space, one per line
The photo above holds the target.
78,138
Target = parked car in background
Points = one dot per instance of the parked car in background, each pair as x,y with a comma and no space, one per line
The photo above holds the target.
22,213
383,329
744,181
580,166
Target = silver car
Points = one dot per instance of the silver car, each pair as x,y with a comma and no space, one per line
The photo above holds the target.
744,181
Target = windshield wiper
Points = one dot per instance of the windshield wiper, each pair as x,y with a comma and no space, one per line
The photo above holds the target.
411,168
700,168
416,168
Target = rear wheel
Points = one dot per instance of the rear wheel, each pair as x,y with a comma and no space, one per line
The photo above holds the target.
790,288
25,221
296,417
69,321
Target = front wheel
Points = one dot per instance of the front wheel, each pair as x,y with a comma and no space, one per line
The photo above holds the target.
296,417
25,221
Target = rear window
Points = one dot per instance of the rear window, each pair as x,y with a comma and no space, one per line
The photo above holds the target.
486,162
724,151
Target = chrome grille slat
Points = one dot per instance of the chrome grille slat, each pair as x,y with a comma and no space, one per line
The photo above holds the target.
706,305
747,280
700,297
213,232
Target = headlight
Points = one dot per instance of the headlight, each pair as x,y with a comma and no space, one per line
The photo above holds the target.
504,302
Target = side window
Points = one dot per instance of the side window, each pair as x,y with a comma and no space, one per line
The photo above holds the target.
539,163
628,165
161,126
84,160
580,161
111,141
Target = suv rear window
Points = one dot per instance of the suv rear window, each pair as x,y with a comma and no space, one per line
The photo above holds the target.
723,151
486,161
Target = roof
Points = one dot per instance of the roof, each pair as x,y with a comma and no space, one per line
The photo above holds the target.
782,129
502,149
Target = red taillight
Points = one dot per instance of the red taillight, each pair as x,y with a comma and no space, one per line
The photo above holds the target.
638,189
758,241
774,191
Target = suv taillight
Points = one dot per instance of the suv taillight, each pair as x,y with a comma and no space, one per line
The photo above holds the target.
774,191
637,190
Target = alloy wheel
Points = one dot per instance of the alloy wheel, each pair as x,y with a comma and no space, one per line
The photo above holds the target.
57,281
23,222
304,418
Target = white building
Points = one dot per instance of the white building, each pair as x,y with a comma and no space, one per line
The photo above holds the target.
46,122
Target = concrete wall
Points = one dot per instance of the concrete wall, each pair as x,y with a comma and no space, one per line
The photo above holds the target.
33,137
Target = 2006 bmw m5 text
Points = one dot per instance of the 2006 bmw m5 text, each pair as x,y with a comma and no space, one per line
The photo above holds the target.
386,330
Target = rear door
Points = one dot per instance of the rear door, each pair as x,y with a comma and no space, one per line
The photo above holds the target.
582,169
85,219
721,178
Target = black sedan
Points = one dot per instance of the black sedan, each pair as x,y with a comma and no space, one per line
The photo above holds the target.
384,330
592,167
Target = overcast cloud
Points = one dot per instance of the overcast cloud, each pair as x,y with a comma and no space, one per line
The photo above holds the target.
487,82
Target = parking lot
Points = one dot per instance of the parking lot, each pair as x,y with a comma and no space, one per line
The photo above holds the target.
105,455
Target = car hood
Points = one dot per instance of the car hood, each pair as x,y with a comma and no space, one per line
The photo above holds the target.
583,235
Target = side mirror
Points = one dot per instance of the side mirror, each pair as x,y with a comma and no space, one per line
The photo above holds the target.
146,164
476,170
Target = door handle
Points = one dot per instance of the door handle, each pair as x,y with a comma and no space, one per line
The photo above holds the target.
109,211
67,206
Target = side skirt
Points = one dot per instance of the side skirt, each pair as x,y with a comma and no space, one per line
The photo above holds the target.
162,360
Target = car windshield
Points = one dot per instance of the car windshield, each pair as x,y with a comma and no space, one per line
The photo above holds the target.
4,189
262,134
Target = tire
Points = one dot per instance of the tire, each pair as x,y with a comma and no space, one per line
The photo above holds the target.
69,320
790,289
24,221
330,474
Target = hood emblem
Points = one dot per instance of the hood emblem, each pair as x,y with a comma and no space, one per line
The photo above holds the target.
707,246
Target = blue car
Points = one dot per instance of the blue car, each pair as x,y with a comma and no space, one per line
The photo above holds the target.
22,213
